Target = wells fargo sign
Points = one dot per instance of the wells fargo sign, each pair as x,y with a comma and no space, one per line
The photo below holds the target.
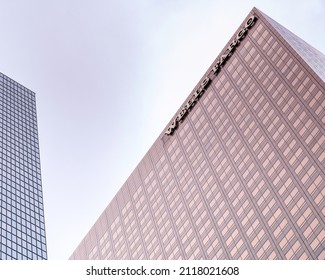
206,81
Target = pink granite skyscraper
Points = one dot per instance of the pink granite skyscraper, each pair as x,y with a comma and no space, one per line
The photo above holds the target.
238,173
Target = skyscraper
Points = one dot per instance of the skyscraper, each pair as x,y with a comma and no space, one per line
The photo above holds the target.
22,229
238,173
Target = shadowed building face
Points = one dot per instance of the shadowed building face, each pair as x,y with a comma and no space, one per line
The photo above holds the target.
22,228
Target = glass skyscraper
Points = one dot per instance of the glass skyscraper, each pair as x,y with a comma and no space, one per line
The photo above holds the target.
22,228
238,173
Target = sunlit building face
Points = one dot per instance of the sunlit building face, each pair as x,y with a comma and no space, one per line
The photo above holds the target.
238,173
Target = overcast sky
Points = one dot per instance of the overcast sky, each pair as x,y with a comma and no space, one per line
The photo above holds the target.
109,75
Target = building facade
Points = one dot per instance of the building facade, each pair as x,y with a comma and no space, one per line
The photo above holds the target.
22,228
238,173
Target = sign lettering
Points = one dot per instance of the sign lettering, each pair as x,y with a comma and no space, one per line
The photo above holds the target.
206,81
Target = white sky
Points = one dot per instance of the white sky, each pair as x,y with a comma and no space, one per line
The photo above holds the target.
109,75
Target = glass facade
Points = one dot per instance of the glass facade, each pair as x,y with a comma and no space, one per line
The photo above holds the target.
241,177
22,229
